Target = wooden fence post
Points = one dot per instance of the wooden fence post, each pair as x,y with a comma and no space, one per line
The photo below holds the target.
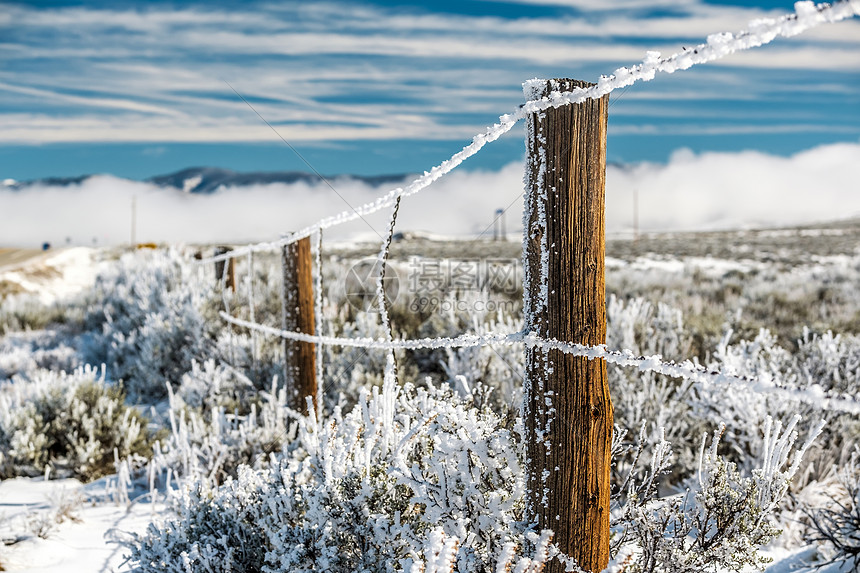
567,408
230,265
300,357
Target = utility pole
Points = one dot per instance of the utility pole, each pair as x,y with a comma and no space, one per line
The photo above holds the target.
635,216
133,221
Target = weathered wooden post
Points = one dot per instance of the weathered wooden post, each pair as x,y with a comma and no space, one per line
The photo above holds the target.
567,408
299,357
227,264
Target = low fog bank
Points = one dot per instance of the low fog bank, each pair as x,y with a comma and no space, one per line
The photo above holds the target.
706,191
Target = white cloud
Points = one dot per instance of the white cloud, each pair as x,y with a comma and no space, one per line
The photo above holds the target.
33,129
810,58
99,102
691,192
607,5
648,129
737,190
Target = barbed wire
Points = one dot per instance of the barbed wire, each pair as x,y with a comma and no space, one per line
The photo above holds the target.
687,370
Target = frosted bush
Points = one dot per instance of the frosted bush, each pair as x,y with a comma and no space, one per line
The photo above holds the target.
258,358
828,362
210,386
20,312
22,353
160,350
418,479
369,491
157,314
683,409
499,367
214,428
660,403
71,423
347,370
832,361
835,523
645,328
721,519
151,322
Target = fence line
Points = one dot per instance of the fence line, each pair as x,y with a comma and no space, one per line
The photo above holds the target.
688,370
763,31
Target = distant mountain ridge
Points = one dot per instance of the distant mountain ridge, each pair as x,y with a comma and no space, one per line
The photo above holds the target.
207,180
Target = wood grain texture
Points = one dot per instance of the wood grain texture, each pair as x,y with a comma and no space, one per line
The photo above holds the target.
567,407
299,357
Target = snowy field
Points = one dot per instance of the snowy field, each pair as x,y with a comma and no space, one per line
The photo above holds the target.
186,423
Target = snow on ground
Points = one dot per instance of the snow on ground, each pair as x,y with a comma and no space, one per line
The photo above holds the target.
81,541
802,560
709,265
54,276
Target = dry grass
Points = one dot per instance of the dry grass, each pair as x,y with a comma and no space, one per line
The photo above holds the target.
8,288
40,273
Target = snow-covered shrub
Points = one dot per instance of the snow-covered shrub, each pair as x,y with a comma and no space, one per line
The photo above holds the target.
368,491
836,523
210,386
216,426
827,362
347,370
832,361
499,367
419,477
646,329
659,402
681,409
160,350
149,313
721,519
22,353
22,312
155,313
71,423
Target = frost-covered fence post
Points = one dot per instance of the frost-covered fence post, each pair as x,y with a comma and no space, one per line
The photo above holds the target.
566,405
230,279
298,311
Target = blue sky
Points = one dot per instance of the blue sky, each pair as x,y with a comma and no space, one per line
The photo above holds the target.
137,89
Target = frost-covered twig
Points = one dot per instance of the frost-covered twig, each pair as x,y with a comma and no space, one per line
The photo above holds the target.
837,524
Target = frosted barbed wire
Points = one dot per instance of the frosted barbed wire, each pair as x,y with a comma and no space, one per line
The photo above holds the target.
462,341
762,31
390,375
815,395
